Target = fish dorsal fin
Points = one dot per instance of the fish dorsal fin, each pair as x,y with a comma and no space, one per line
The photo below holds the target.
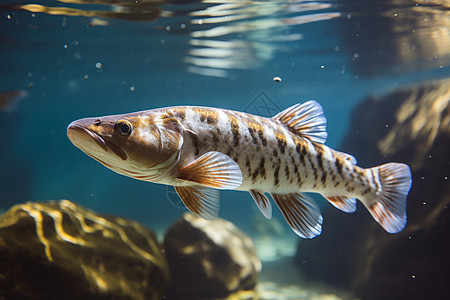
306,120
263,203
301,213
212,169
346,156
346,204
200,200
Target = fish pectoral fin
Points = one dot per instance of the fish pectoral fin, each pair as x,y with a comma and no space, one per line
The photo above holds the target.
301,213
306,120
343,203
346,156
212,169
263,203
200,200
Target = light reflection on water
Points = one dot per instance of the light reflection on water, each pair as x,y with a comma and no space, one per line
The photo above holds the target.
224,35
267,27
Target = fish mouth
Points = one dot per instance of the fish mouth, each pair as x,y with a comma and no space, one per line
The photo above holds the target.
81,136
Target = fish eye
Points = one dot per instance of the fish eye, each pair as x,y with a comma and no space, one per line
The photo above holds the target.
124,127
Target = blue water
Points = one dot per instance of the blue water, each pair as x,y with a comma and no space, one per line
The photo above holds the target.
77,66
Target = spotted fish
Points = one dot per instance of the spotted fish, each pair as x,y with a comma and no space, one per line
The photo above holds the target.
200,150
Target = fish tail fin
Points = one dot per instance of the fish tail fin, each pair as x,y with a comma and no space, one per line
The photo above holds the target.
388,206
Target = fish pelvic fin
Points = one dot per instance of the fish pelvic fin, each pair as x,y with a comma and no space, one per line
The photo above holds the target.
263,203
212,169
388,208
306,120
301,213
201,201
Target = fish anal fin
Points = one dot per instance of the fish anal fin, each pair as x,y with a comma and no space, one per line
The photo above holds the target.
388,205
212,169
301,213
201,201
306,120
343,203
262,202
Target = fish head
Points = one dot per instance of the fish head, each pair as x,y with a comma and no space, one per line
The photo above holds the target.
133,144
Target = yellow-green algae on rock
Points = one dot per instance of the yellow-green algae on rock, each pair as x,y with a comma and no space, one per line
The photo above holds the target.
69,252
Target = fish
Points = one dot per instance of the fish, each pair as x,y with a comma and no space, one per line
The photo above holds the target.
10,99
202,150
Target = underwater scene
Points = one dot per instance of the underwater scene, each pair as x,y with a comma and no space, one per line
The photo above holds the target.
224,149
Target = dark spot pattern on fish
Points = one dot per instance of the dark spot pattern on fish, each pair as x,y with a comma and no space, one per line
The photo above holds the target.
262,169
366,191
319,155
324,178
206,115
286,171
375,183
314,168
303,155
275,152
281,140
299,150
304,151
215,138
212,118
262,137
248,165
299,181
292,158
253,135
338,165
276,175
234,125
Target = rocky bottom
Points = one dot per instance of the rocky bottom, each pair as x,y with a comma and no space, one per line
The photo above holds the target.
64,251
277,291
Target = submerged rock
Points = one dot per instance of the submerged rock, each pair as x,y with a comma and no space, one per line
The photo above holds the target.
62,250
411,125
209,258
401,41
